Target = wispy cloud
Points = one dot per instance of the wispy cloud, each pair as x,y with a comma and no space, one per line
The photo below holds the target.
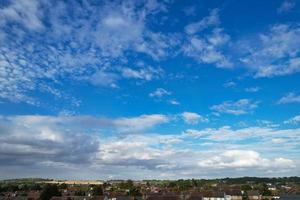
75,47
174,102
211,20
286,6
240,107
144,74
274,53
208,48
252,89
159,92
293,120
193,118
289,98
229,84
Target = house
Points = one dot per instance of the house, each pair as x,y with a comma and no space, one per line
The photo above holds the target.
33,195
194,196
270,197
213,195
163,197
233,195
253,195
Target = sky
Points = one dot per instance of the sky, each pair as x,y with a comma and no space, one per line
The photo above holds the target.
148,89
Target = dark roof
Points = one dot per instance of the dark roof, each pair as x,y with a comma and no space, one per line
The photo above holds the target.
234,193
253,193
195,197
213,194
163,197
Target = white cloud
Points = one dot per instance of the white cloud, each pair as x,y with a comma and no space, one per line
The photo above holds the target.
208,48
289,98
42,143
244,159
211,20
240,107
266,123
286,6
252,89
278,140
102,78
95,48
174,102
274,53
193,118
25,13
293,120
159,92
140,123
229,84
145,73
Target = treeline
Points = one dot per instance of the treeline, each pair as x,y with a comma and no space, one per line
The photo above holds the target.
243,180
239,180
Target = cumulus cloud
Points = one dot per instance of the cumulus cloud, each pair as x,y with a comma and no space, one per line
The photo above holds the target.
32,140
244,159
40,143
193,118
289,98
240,107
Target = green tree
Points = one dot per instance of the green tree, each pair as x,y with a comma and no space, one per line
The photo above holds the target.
97,190
246,187
245,196
263,189
79,193
63,186
49,191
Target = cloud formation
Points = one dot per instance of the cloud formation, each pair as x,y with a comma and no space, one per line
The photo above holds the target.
289,98
293,120
44,142
240,107
193,118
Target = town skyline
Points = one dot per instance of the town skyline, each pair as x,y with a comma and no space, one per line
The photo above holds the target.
149,89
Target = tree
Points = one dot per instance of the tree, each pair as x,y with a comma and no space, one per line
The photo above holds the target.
263,189
246,187
49,191
97,190
245,196
63,186
79,193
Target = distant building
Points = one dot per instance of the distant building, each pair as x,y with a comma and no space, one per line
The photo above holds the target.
233,195
213,195
253,195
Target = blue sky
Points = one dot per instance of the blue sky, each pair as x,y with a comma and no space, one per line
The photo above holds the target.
149,89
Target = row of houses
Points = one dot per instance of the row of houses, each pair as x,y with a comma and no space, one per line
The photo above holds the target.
207,195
